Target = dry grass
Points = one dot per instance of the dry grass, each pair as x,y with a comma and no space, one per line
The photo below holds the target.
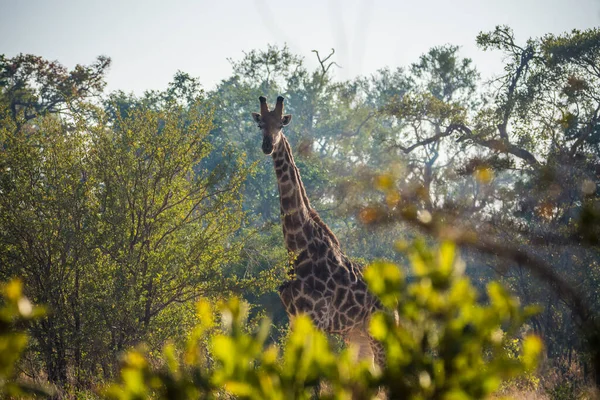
524,395
556,380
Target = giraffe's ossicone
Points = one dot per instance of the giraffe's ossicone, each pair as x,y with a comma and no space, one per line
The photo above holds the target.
326,285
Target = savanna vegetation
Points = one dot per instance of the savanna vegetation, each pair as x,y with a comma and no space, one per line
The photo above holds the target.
146,229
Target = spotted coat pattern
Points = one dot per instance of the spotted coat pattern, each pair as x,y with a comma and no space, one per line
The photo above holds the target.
325,284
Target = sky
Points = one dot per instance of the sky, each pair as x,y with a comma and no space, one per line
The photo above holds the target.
149,41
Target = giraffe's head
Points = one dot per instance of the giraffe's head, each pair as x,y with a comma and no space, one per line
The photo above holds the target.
271,123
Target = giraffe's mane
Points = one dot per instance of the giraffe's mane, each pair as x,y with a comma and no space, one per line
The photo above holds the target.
317,218
311,211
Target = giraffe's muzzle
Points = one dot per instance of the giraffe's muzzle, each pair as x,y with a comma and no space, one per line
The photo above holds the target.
267,145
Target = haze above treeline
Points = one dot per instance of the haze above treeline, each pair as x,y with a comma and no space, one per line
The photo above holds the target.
149,41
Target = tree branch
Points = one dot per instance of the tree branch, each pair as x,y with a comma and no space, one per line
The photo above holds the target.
447,132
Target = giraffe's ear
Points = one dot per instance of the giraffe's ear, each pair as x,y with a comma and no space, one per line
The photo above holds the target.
256,117
287,118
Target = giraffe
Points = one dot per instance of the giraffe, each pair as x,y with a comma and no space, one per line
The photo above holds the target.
325,284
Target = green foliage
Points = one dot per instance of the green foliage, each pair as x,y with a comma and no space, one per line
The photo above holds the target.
447,345
16,310
244,366
119,218
39,87
115,221
445,75
576,46
164,216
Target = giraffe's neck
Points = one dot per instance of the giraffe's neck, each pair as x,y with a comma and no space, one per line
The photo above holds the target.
300,221
295,207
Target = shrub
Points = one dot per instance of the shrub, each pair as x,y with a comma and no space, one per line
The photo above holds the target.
448,345
16,311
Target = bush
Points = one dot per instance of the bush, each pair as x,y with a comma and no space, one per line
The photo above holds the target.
448,345
15,312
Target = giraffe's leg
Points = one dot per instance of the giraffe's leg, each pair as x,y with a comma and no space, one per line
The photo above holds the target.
378,352
368,349
361,341
380,361
322,313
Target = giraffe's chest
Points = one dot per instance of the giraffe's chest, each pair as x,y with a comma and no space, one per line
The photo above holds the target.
326,270
333,295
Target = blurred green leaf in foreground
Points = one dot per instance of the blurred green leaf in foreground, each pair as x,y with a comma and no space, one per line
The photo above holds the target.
15,311
451,343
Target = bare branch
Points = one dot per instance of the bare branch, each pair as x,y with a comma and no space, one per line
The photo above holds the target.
325,68
447,132
525,57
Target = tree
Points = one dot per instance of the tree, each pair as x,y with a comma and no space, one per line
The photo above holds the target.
164,218
46,225
527,175
32,86
112,221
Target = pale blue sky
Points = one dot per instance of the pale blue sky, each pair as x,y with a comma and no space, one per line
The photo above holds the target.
150,40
